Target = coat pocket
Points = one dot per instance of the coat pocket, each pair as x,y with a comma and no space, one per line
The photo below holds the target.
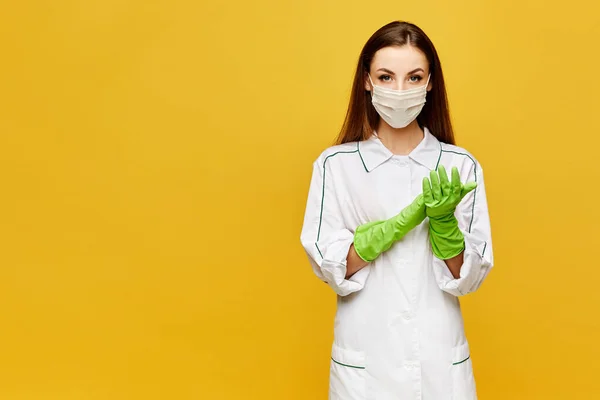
347,374
463,381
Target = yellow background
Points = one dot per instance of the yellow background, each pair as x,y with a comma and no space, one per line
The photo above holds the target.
155,158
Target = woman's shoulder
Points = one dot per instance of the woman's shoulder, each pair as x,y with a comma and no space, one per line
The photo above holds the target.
457,151
332,151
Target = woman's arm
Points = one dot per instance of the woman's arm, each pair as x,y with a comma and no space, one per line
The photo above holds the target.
455,263
325,237
354,263
335,253
373,238
465,273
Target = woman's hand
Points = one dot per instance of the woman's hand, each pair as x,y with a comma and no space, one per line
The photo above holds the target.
441,197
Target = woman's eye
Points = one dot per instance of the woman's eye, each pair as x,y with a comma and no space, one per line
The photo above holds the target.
415,78
385,78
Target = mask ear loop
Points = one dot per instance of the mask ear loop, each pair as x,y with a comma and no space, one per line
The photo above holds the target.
372,84
371,91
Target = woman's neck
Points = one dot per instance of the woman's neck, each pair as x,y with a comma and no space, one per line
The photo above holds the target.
400,141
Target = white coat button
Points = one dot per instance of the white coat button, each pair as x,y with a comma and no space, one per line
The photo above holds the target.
411,364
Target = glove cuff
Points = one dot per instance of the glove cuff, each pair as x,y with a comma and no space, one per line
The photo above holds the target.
447,241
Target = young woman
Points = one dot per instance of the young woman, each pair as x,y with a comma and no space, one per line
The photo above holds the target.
397,224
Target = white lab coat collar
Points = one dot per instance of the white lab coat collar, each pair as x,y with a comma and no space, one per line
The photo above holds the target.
374,153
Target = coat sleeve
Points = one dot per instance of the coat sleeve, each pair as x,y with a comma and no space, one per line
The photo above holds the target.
474,222
324,236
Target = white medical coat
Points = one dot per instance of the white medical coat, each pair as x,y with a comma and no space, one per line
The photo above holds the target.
398,329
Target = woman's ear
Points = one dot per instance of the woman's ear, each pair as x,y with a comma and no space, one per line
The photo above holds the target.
367,83
429,86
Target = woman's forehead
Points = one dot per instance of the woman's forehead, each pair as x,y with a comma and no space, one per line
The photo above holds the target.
400,60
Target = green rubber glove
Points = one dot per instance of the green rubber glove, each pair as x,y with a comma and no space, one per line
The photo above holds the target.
441,198
373,238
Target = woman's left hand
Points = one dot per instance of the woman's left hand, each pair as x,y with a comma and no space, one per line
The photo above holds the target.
441,198
441,195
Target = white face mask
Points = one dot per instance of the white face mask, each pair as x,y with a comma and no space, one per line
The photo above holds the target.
398,107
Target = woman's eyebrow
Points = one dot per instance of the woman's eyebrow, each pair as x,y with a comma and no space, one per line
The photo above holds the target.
386,70
409,73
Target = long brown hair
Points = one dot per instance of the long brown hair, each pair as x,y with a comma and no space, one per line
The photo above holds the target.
362,118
